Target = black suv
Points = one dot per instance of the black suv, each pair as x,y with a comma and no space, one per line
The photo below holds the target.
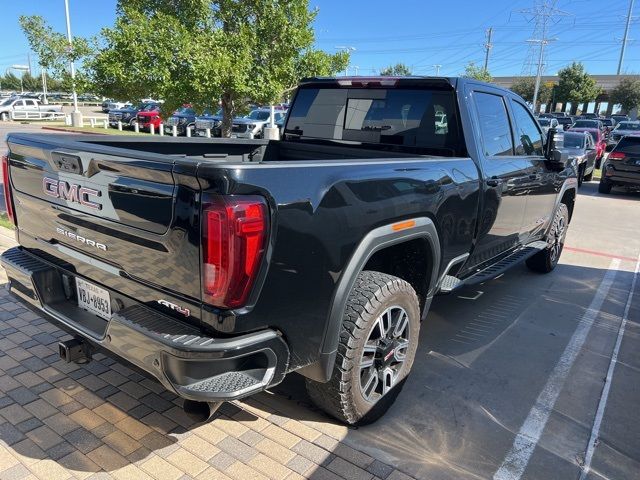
622,167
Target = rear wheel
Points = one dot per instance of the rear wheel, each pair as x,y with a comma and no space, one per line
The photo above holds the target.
604,186
547,259
4,116
378,342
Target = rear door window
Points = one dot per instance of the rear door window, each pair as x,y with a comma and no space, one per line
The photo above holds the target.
494,124
528,135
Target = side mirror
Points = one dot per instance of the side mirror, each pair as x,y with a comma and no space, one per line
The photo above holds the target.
555,156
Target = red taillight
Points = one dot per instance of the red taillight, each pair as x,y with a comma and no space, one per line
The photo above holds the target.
7,189
234,234
616,156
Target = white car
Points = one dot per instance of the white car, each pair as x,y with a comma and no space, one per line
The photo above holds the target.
251,126
117,105
23,108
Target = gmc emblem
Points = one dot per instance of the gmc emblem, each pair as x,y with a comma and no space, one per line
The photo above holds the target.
70,192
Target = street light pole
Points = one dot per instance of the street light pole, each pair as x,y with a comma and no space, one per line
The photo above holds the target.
76,115
437,67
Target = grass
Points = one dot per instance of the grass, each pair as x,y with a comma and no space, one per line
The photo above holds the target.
5,222
597,174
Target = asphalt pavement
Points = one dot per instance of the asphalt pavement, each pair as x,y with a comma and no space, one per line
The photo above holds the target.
514,378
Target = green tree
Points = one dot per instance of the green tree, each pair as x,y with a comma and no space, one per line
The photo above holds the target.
575,85
397,70
525,86
627,94
55,53
479,73
10,81
203,51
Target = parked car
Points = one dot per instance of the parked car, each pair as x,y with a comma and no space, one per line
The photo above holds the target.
105,105
547,123
581,148
218,266
148,118
129,116
113,105
620,118
546,115
561,115
622,129
582,123
598,139
590,116
182,118
565,122
251,126
208,120
22,106
622,166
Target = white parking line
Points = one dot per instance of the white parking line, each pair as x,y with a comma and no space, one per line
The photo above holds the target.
517,459
595,431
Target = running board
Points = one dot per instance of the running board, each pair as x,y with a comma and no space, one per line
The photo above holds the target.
450,283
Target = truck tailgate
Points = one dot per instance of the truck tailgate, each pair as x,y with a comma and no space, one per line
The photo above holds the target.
108,213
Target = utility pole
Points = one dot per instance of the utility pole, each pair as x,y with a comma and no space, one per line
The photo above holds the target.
543,13
29,62
76,115
626,37
437,67
488,46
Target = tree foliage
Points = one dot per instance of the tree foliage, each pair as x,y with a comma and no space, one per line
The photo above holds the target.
54,52
627,94
575,85
397,70
525,86
205,51
479,73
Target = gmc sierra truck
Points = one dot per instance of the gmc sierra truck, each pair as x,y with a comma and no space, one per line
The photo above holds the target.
218,266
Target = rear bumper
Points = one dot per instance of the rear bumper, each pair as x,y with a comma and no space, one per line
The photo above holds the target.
620,177
185,361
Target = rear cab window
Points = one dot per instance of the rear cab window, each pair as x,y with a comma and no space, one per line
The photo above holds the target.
421,120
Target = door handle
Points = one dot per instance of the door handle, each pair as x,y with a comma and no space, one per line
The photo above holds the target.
494,182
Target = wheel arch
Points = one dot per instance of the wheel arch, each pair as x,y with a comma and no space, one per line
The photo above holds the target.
415,231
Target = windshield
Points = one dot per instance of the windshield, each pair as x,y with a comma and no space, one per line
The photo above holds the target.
586,124
628,126
573,140
259,115
424,119
544,122
7,101
150,107
607,122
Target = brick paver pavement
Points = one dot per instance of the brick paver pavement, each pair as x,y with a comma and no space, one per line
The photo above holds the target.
102,420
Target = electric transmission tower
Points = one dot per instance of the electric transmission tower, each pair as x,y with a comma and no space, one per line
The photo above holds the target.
543,15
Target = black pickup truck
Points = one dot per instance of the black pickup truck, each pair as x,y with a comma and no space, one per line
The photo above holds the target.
218,266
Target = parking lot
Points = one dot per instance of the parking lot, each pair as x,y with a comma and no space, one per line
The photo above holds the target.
508,382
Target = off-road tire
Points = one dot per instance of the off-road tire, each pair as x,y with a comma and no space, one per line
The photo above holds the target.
604,186
547,259
372,294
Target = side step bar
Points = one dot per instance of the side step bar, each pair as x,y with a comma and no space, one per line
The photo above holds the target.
450,283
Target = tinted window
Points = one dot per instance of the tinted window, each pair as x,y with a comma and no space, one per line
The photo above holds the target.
629,145
494,124
573,140
628,126
544,122
423,119
528,136
586,124
259,115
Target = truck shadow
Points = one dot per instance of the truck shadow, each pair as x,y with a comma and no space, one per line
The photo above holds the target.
105,417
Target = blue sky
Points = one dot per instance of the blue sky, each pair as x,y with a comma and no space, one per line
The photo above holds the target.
420,33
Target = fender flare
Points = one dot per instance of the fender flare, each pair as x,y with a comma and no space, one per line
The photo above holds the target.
377,239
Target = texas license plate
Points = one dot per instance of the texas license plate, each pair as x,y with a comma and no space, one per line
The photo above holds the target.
93,298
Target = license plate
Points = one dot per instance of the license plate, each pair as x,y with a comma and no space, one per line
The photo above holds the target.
93,298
